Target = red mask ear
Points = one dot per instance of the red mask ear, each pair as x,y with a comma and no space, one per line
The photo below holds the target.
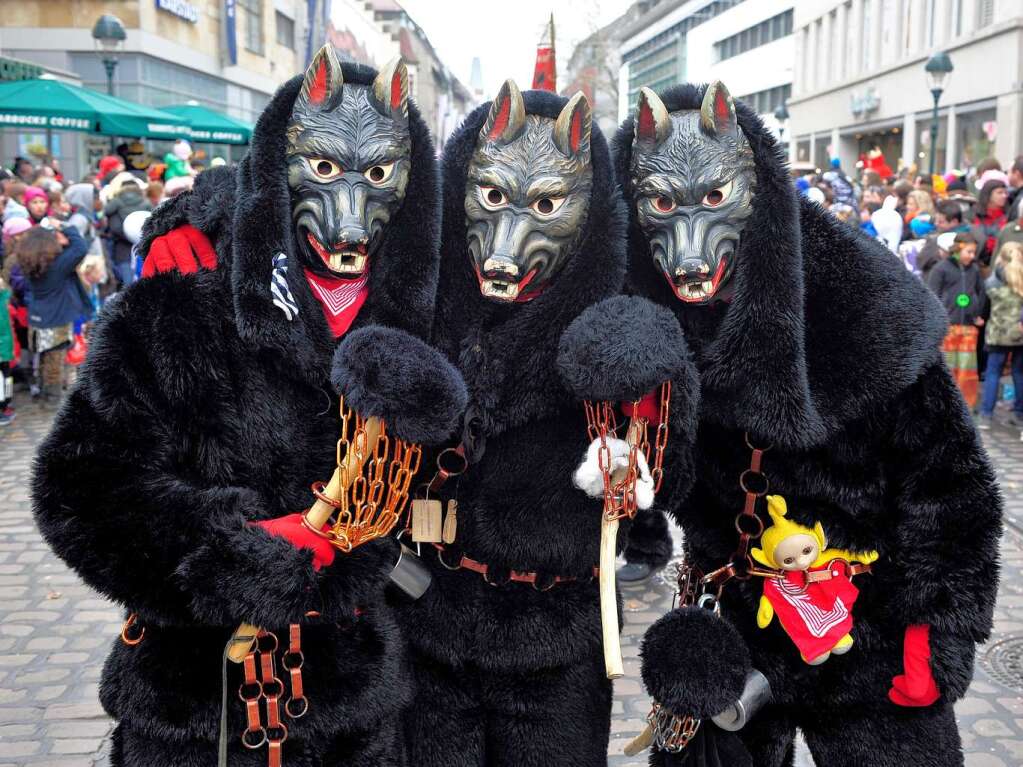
507,115
573,126
390,90
717,114
323,82
653,123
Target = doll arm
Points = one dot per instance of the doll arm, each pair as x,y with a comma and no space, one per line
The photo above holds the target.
766,613
866,557
942,547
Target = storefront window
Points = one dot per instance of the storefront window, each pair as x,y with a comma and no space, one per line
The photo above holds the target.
923,152
977,137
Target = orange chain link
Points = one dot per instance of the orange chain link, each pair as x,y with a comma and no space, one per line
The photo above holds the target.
620,496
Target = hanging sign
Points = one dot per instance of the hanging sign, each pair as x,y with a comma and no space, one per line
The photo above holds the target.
180,8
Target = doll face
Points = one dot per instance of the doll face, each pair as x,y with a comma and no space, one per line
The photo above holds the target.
797,552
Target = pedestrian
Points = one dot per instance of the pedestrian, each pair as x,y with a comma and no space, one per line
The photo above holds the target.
948,217
957,283
59,206
918,202
37,202
989,217
127,196
841,185
888,224
15,207
24,169
8,354
109,166
1014,204
49,258
177,161
154,193
1004,336
1011,232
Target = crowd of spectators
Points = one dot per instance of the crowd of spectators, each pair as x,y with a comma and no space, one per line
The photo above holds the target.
962,234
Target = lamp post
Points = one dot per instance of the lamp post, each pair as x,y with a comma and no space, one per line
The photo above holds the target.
108,36
938,68
781,114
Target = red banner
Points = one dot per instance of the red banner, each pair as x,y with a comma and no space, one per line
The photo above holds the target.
545,74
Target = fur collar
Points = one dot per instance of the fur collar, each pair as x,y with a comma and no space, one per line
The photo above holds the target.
507,353
824,322
403,273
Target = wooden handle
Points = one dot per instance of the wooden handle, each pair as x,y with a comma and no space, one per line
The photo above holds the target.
609,599
244,637
641,742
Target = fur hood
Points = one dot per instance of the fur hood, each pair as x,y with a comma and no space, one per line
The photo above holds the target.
508,352
824,323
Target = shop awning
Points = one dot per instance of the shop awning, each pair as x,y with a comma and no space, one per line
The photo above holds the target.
211,126
43,104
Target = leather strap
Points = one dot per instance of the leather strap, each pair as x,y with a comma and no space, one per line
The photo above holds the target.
516,576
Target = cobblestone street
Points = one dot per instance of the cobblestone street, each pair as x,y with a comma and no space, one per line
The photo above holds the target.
55,632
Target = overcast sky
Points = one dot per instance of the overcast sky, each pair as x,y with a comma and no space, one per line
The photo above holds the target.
504,34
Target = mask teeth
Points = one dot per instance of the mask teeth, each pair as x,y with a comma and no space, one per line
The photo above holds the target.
347,262
501,290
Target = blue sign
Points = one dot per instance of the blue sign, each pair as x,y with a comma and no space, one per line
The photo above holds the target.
180,8
229,31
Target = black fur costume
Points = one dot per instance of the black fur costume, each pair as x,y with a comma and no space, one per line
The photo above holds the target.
202,408
508,674
828,352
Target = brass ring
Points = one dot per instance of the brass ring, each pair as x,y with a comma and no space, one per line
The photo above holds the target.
440,558
461,457
254,746
305,707
128,624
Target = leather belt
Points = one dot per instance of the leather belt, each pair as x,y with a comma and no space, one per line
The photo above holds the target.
516,576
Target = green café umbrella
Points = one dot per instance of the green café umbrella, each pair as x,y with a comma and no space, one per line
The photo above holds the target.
54,104
210,126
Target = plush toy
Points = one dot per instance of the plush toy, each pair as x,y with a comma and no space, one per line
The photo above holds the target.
814,597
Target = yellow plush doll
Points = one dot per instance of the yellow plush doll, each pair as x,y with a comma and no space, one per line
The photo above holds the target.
813,596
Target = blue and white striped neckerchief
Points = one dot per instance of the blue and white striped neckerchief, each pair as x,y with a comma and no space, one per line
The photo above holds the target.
282,297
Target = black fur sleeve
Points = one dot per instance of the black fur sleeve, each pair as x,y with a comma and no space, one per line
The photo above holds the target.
114,503
944,543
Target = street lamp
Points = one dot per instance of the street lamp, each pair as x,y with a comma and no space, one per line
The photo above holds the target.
108,36
938,68
781,114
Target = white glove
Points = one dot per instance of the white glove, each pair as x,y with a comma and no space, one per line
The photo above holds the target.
589,478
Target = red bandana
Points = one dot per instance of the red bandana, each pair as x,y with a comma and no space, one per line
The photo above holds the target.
341,299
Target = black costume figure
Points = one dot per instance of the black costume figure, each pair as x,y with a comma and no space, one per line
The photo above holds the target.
508,661
205,407
810,339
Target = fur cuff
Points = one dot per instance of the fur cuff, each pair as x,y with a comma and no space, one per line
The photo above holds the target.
694,662
622,348
394,376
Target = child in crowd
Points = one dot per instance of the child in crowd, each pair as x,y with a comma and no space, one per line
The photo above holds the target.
15,207
38,204
1004,336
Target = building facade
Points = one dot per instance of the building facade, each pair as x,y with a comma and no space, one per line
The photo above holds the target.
747,44
860,84
176,51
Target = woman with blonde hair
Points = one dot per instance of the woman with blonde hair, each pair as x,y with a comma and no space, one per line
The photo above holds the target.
1004,333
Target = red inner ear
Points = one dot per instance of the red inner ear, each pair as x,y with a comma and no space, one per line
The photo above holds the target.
646,126
396,90
318,89
501,121
721,110
575,133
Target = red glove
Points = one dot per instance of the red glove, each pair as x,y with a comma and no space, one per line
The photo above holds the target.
649,407
916,687
291,529
184,249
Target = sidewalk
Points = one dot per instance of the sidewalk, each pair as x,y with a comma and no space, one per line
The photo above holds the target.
55,633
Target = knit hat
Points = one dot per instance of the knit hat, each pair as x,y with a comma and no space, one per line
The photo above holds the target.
33,192
15,226
921,226
108,163
992,175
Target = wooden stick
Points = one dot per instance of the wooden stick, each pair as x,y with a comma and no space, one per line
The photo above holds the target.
608,593
318,514
641,742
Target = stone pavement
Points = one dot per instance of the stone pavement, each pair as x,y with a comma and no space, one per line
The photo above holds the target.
54,635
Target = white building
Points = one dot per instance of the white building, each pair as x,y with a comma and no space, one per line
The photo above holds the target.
860,82
747,44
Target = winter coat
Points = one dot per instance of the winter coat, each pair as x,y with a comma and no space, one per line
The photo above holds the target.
80,197
129,200
987,226
7,340
1010,233
949,281
15,209
200,409
1003,326
525,434
58,296
828,354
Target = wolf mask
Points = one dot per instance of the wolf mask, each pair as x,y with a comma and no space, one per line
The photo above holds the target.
348,164
527,195
693,181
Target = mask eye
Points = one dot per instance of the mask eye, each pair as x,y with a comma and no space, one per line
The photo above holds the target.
716,197
664,204
547,206
492,197
324,169
378,174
